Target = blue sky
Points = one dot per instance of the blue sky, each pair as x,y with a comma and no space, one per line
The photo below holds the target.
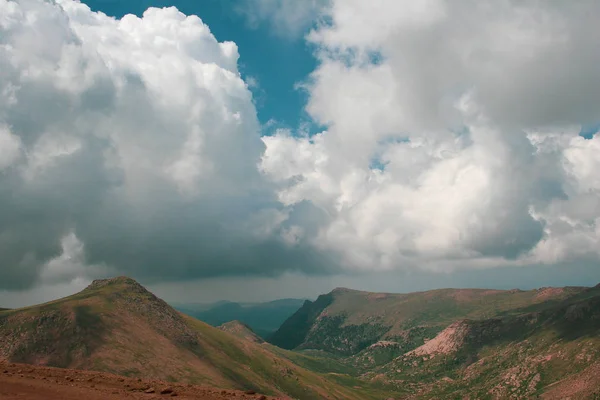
277,62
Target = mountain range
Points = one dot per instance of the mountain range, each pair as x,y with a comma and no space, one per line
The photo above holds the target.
117,326
347,344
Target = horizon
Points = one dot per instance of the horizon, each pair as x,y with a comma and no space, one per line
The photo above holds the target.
269,300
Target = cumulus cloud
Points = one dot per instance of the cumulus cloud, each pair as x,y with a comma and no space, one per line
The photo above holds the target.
449,140
132,145
128,146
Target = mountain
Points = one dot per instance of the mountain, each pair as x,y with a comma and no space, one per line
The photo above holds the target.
117,326
459,343
346,322
262,318
450,343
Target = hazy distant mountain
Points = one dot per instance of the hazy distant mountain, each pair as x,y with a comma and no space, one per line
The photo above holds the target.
262,318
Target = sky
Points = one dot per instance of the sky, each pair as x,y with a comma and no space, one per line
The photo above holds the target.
250,150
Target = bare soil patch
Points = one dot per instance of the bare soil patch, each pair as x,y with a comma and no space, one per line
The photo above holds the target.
27,382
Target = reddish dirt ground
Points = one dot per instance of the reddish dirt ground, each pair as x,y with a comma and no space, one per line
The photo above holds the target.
26,382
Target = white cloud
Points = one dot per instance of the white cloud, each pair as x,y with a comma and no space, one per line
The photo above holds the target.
448,150
132,143
582,163
451,142
572,221
70,266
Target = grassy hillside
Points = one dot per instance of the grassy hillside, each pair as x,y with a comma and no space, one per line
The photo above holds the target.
553,352
262,318
348,322
117,326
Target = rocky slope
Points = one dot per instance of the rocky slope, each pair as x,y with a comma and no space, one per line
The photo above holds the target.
549,352
117,326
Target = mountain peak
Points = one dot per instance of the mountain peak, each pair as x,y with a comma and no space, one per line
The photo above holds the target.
241,330
119,280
